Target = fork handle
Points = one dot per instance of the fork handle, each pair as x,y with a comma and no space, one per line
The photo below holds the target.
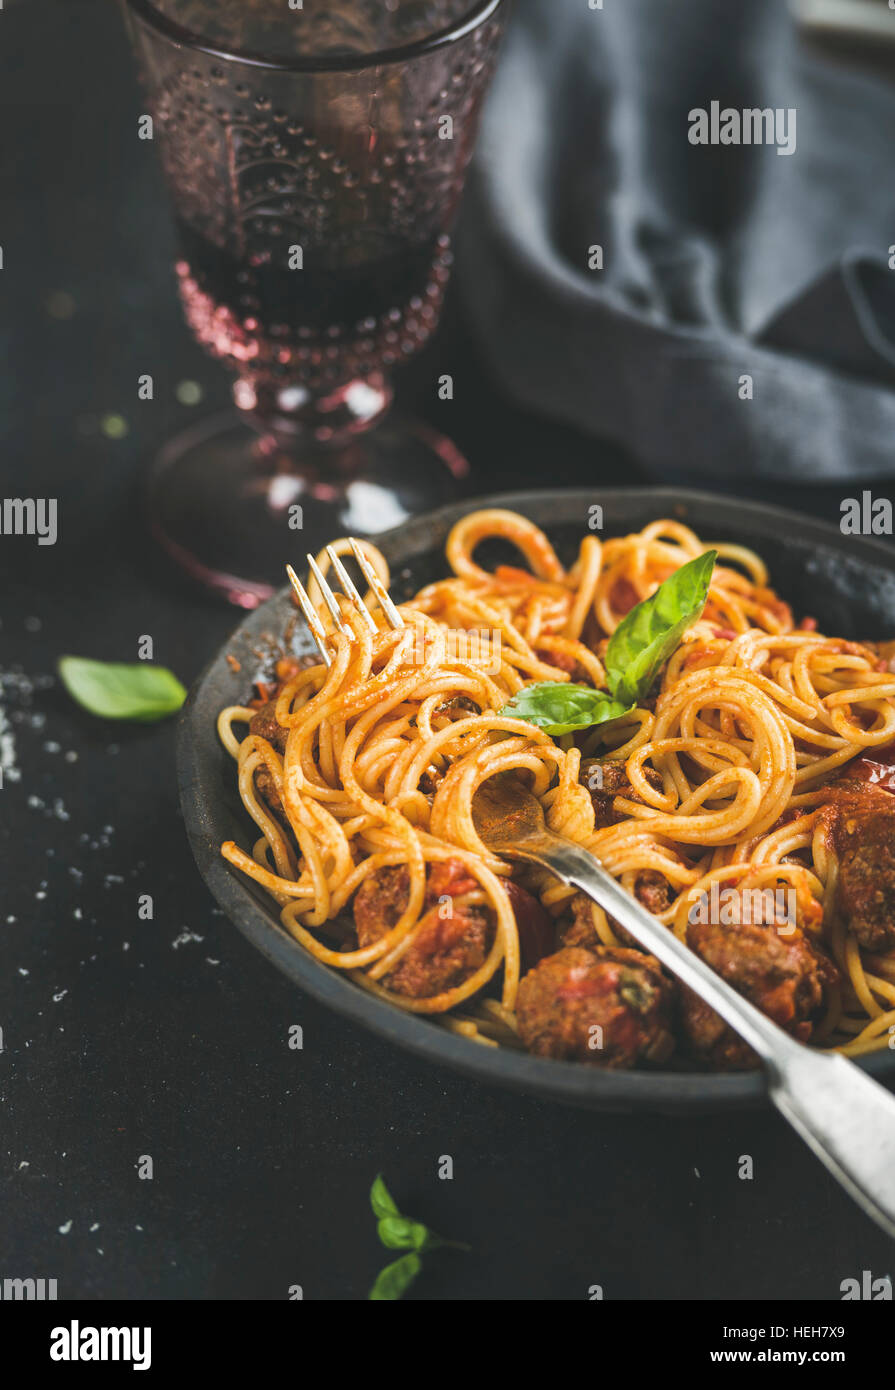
845,1117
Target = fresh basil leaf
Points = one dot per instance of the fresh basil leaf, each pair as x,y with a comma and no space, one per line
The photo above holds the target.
639,647
112,690
382,1201
434,1242
400,1233
559,707
394,1281
422,1237
646,637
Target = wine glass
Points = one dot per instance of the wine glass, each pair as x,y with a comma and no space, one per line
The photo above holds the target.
315,152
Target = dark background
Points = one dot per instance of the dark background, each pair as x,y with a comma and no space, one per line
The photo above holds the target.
118,1041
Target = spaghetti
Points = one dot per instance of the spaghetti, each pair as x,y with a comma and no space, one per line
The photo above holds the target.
734,772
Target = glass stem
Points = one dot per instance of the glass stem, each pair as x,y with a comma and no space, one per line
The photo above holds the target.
289,414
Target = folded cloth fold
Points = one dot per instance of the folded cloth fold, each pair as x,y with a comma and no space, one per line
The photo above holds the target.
743,320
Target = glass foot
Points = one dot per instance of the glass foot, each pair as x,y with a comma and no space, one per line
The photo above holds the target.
233,507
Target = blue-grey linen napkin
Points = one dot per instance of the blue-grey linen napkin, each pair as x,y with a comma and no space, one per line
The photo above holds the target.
720,261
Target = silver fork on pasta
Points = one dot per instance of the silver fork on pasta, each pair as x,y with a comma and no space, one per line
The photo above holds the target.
349,589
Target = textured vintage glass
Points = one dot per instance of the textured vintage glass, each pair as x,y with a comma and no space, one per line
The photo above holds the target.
315,170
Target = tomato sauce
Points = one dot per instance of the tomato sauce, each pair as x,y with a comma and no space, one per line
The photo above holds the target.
876,766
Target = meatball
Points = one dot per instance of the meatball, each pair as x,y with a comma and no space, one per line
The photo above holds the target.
379,902
654,892
864,839
783,975
266,788
607,779
447,949
264,723
606,1006
581,930
448,878
651,889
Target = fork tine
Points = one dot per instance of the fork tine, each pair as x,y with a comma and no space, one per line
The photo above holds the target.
392,615
329,597
350,591
310,613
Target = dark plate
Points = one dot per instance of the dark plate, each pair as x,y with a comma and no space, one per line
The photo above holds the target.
848,584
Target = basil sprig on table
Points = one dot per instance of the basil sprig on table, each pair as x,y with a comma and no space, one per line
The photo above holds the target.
641,644
113,690
398,1232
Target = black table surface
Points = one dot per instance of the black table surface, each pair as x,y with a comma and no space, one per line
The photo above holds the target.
124,1038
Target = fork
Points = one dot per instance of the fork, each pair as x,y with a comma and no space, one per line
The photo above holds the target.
318,632
847,1119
